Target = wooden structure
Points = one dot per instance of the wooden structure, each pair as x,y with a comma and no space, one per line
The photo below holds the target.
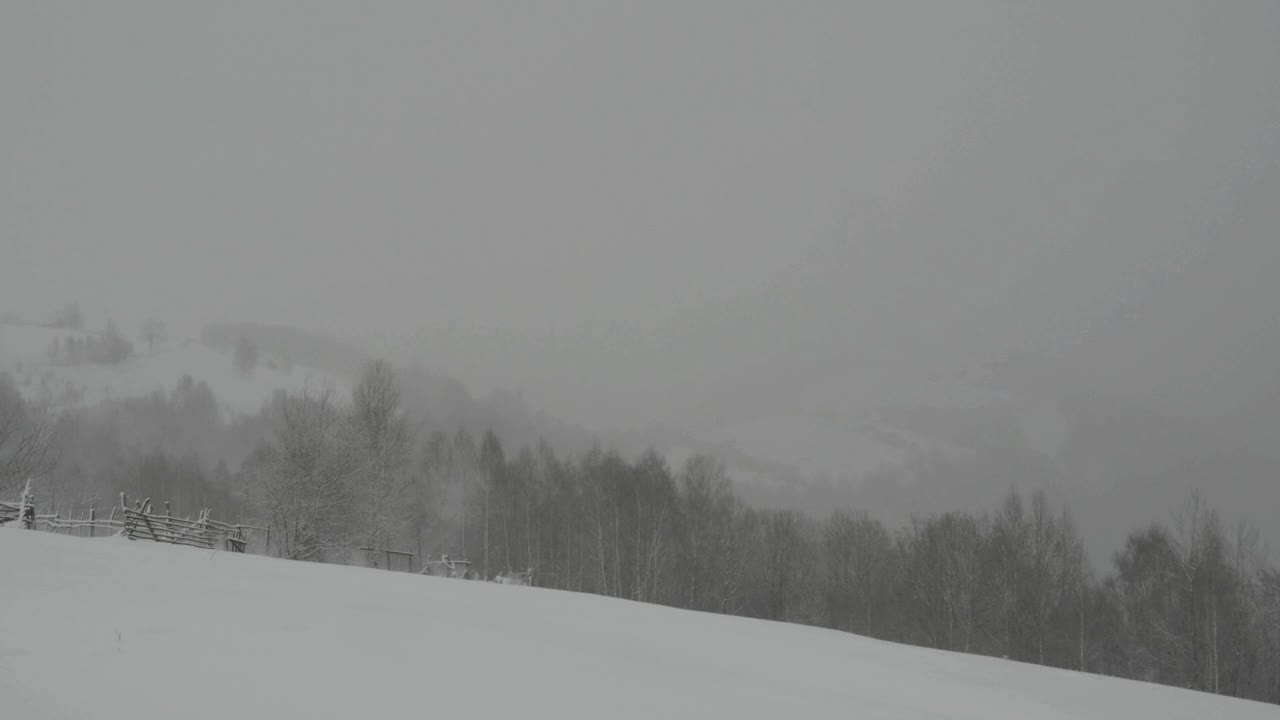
390,556
83,526
445,567
23,511
140,523
9,512
136,523
515,578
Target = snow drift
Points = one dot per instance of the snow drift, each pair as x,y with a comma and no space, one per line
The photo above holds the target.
112,629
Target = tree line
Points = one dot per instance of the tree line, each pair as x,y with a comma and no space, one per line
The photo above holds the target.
1190,603
109,348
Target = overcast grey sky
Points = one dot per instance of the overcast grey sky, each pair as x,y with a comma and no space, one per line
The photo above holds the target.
631,212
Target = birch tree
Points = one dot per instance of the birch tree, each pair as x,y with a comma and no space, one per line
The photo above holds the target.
381,447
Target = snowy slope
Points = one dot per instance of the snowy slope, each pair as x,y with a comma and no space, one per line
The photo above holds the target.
23,354
816,444
111,629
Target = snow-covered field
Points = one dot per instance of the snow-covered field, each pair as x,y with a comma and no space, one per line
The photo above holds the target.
23,354
108,629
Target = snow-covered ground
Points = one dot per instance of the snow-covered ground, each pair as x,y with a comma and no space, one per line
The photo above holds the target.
24,355
816,444
109,629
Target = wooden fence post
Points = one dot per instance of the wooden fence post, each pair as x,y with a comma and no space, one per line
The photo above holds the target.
27,508
144,510
91,520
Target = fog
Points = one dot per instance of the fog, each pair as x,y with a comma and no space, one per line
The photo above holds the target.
693,216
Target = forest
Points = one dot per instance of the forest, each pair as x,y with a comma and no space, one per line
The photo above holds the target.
1193,602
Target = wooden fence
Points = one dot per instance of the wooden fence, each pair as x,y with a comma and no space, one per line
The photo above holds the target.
136,523
140,523
22,511
392,558
89,525
9,512
446,567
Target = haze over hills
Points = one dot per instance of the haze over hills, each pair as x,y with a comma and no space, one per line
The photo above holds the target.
1110,457
294,360
951,323
829,242
25,354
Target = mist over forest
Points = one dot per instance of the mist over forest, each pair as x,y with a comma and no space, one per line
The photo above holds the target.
357,453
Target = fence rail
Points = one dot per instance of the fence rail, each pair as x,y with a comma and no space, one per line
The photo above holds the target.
86,526
23,511
139,522
205,532
136,523
89,528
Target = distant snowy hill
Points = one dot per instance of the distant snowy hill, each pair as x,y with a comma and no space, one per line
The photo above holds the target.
823,445
24,354
109,628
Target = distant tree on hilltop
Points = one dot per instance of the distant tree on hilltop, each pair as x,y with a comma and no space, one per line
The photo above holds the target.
245,356
113,348
69,317
153,331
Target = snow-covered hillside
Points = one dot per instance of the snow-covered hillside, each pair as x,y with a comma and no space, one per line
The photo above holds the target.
822,445
24,355
109,628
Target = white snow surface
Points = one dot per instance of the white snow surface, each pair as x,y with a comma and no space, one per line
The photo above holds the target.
23,354
111,629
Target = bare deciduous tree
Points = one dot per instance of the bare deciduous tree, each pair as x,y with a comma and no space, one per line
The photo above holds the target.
26,436
302,478
857,554
153,331
381,446
69,317
245,356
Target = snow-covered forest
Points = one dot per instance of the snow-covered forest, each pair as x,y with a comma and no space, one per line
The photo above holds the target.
1191,602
